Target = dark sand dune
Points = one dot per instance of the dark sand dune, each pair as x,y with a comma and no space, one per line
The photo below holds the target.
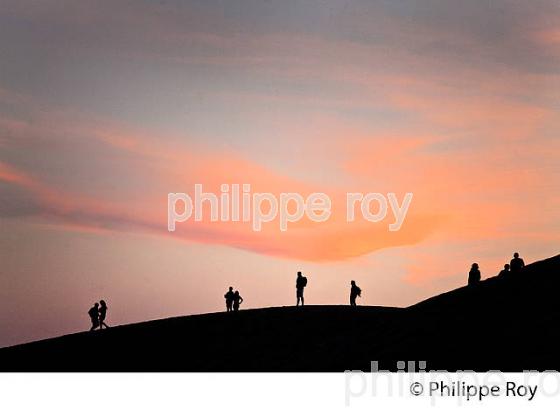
508,325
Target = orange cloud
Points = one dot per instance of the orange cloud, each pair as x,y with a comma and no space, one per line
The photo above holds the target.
178,168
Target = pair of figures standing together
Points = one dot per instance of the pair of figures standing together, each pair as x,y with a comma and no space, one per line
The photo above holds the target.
97,314
233,300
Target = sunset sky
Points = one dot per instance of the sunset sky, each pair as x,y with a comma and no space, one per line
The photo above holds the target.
107,106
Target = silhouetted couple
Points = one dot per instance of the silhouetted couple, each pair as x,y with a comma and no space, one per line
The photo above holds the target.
97,314
513,268
301,283
233,300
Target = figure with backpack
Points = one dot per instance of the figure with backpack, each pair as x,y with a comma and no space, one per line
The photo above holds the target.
94,316
301,283
355,291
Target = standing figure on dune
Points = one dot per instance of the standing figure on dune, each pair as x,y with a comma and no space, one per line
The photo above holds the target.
237,300
229,296
516,264
301,283
355,291
474,275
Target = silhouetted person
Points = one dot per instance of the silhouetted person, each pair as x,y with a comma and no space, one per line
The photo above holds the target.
102,315
504,273
94,316
355,291
474,275
301,283
516,264
237,300
229,296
